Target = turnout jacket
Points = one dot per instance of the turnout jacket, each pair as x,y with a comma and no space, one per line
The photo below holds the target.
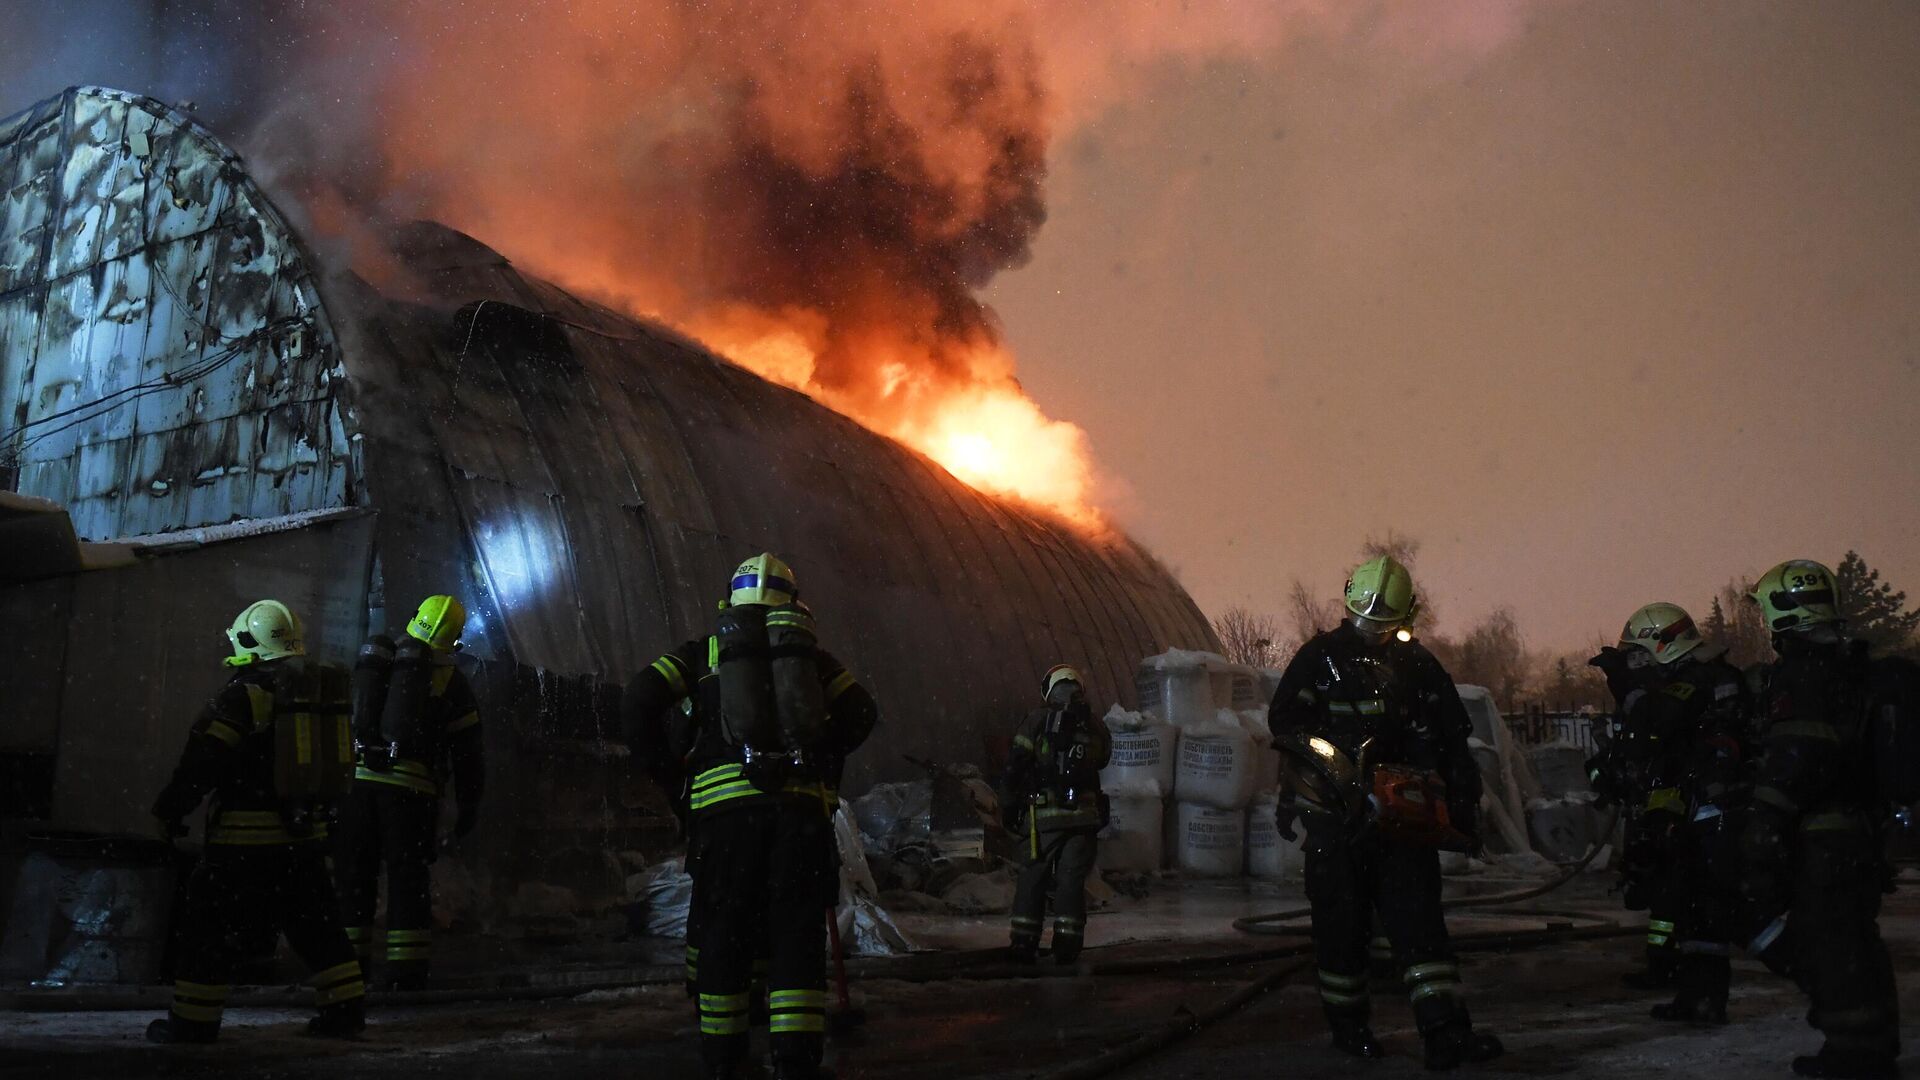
670,715
452,747
230,752
1033,779
1689,732
1346,689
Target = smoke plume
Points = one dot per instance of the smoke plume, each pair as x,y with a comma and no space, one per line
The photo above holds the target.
817,188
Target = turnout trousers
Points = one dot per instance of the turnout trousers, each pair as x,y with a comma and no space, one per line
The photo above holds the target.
239,891
1706,903
1838,956
390,827
1064,859
1347,882
764,876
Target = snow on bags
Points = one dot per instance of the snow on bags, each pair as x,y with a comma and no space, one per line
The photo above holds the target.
1209,842
1216,765
1143,755
1178,686
1270,856
1132,840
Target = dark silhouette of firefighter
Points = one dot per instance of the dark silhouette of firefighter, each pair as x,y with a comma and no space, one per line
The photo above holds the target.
1621,776
1373,739
416,723
1052,804
1838,735
272,752
761,721
1690,741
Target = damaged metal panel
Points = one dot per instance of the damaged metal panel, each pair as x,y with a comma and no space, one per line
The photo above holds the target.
166,362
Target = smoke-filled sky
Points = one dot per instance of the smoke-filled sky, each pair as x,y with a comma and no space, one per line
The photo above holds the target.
1625,307
1603,302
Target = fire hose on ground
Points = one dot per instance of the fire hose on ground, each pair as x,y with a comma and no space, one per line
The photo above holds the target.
1298,959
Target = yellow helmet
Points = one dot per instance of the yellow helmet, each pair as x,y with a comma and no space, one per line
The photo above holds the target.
267,630
1665,630
1797,594
763,579
438,622
1380,594
1056,675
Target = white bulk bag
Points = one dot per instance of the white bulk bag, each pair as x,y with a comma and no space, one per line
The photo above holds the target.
1143,754
1216,764
1270,856
1211,843
1266,763
1132,840
1177,686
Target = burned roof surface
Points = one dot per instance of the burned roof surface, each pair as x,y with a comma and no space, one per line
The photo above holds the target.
585,479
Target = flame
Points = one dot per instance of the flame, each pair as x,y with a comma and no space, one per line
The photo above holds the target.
985,430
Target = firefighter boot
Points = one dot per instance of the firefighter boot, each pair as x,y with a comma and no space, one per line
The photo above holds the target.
341,1020
1358,1040
1701,996
1455,1043
169,1030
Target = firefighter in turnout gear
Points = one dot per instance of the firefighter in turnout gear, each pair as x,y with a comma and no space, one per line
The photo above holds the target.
268,753
1810,846
1620,774
1689,730
761,721
1052,804
415,721
1376,766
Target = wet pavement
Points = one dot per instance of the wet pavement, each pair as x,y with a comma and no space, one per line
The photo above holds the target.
1560,1007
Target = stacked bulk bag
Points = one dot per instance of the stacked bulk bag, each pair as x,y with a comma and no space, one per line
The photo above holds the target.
1270,856
1209,842
1144,750
1266,763
1177,686
1216,767
1132,840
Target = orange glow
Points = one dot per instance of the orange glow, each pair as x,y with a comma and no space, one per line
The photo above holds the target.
984,429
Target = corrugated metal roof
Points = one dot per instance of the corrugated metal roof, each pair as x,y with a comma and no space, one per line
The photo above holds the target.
586,480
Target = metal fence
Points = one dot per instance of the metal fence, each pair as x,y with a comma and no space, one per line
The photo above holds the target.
1537,726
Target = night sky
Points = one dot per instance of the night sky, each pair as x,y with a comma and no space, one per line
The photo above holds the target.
1612,311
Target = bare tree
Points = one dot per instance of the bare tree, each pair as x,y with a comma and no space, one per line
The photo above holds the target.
1734,620
1493,655
1309,613
1246,638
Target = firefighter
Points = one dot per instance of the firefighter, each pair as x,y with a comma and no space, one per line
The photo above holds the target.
1620,776
1690,729
1053,806
1361,709
265,862
416,722
1809,846
761,720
